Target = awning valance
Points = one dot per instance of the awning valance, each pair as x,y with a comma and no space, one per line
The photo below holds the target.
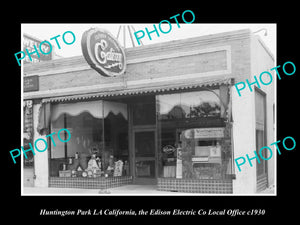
144,89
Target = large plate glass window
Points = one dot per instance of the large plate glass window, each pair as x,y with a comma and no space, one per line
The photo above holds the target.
191,135
98,144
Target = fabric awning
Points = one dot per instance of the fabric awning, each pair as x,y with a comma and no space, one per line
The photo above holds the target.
144,89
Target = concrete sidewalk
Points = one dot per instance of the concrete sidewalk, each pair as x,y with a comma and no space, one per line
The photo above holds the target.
139,190
269,190
123,190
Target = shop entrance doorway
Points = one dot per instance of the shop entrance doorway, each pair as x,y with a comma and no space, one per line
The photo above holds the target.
144,155
142,139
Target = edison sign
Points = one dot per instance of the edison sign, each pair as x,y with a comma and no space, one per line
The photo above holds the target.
103,52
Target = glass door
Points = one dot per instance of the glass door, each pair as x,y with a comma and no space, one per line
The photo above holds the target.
144,141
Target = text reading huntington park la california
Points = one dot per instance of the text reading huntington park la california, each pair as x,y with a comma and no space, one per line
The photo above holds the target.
266,74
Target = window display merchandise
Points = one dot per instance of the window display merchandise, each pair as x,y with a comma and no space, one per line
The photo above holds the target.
97,148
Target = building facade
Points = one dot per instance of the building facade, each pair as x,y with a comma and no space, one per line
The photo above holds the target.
173,119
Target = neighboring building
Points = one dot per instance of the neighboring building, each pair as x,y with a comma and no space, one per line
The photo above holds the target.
173,118
28,42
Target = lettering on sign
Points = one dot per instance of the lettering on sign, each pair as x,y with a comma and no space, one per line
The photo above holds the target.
103,52
209,133
169,149
31,83
29,43
39,50
215,132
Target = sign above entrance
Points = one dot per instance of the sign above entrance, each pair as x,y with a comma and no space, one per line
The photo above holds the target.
103,52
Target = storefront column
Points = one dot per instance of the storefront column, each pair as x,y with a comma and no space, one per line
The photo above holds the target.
41,168
243,114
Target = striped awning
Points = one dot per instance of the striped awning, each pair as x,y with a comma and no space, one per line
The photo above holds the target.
144,89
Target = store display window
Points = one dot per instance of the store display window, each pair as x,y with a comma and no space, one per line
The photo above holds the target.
194,140
98,139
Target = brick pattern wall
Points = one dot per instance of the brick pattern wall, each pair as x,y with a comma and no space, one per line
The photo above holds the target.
89,183
74,72
205,186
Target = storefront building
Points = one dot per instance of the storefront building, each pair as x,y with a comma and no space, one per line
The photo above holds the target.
172,119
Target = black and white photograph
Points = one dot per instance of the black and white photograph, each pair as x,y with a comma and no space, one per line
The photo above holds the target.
116,118
127,115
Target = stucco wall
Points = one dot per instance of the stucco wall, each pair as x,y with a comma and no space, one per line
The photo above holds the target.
225,54
243,113
245,124
262,60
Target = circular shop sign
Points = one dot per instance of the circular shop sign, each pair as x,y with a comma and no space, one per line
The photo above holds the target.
103,52
169,149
